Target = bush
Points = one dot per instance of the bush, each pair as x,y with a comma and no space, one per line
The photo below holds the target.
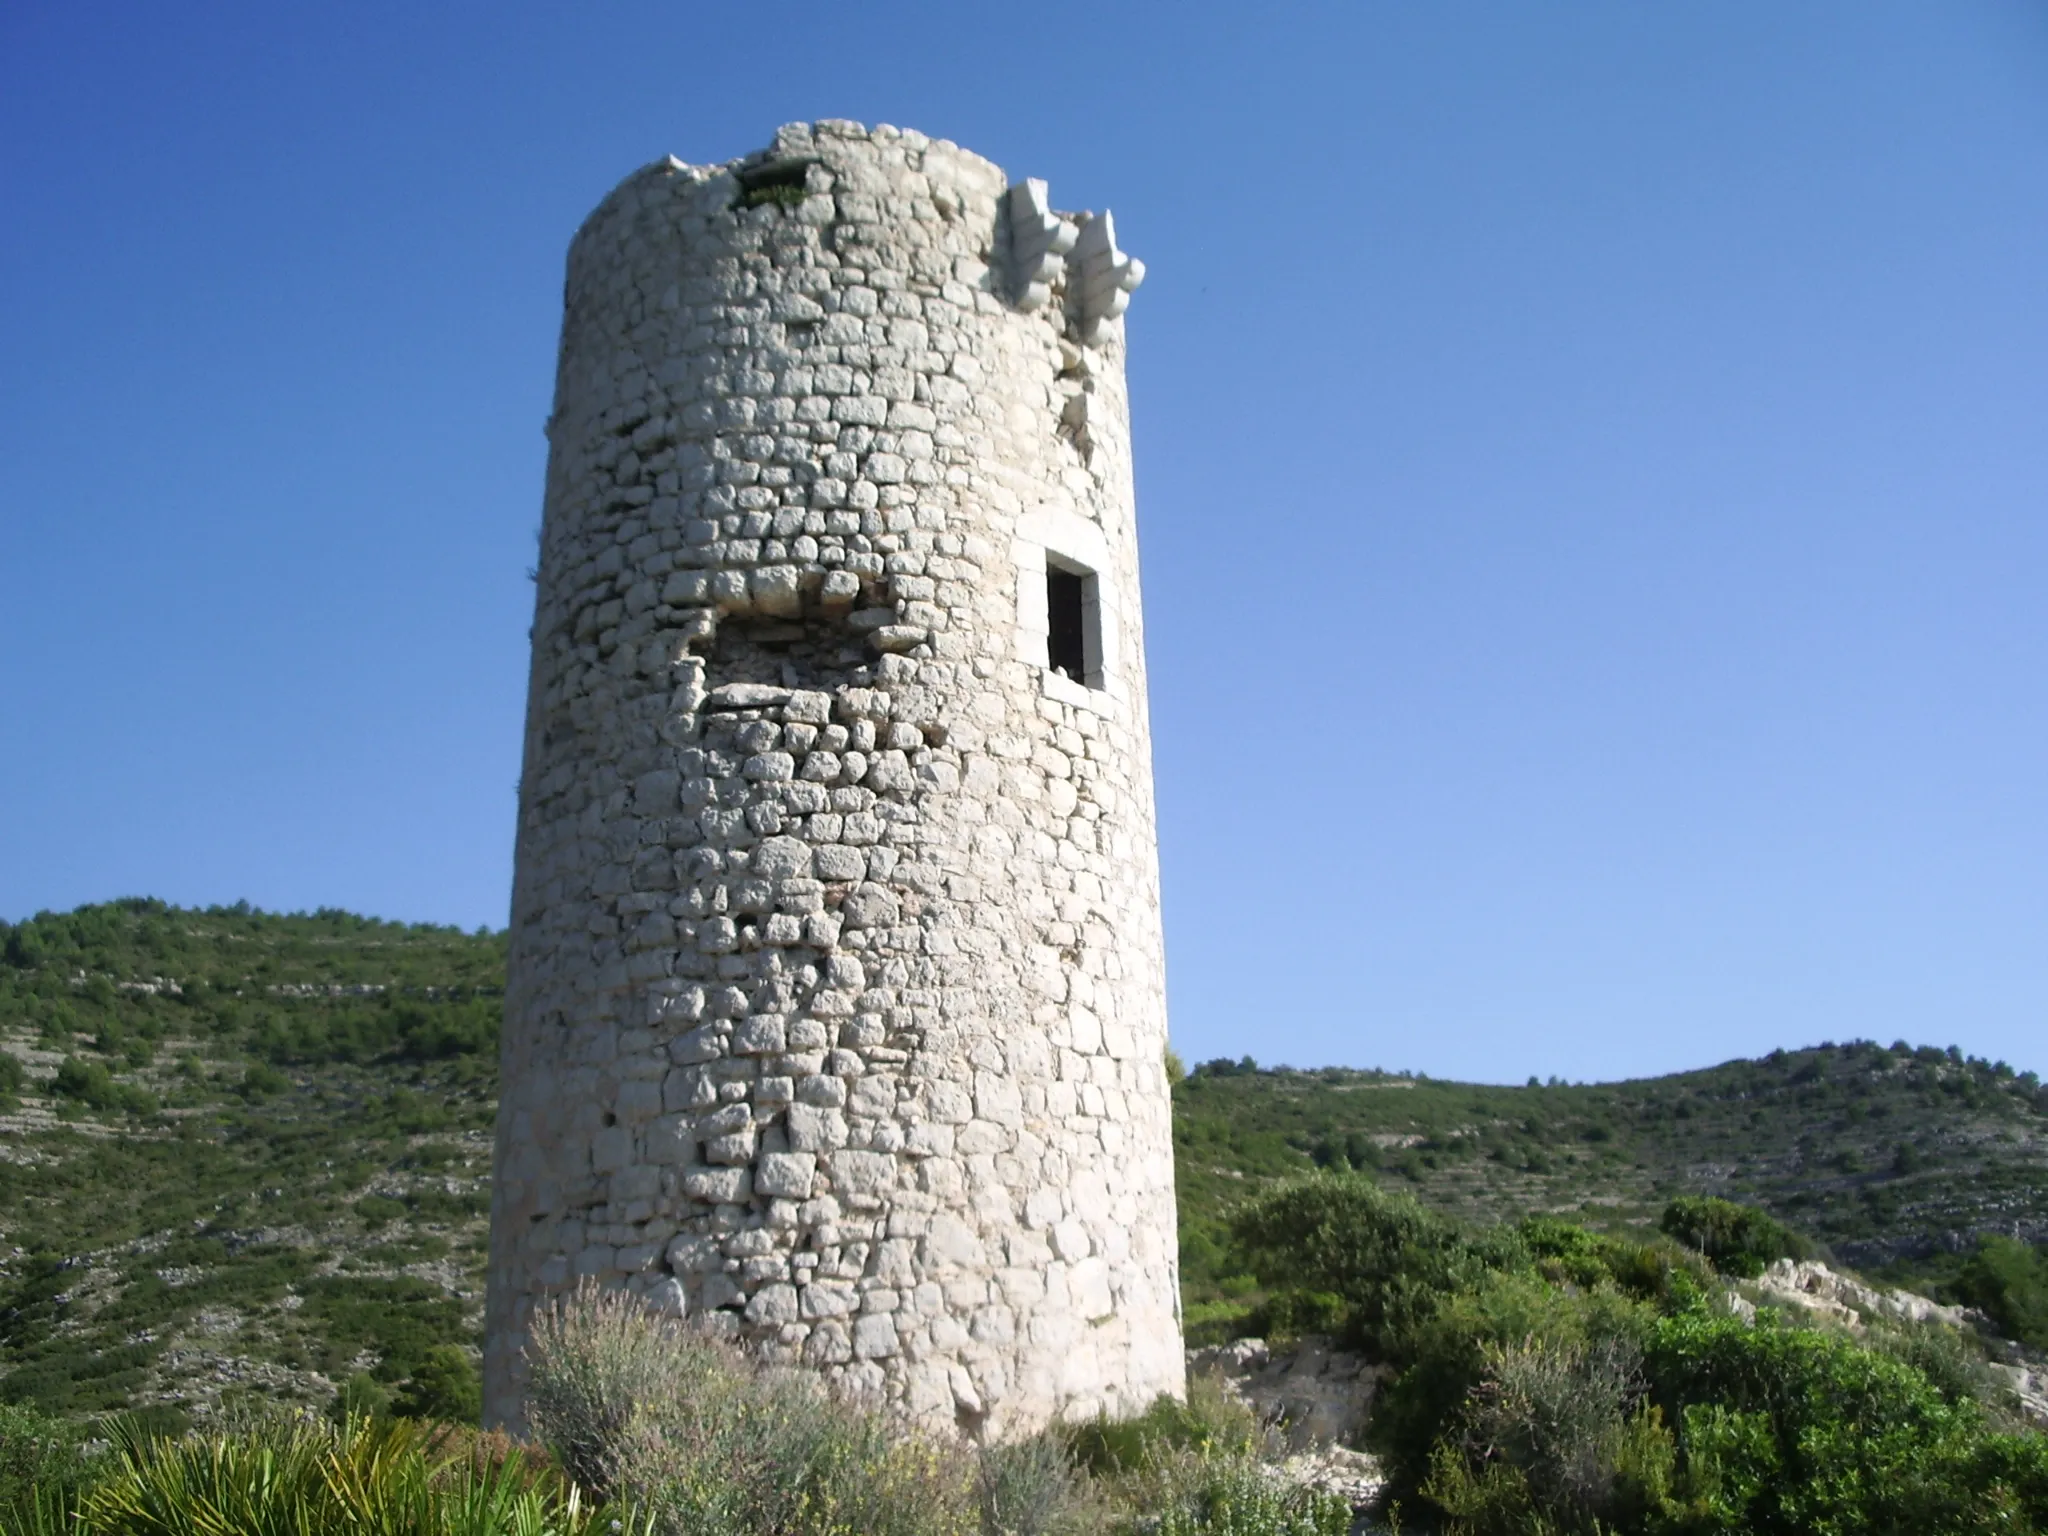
1230,1496
40,1459
2008,1282
90,1084
1210,1423
1792,1430
1555,1429
360,1396
708,1443
1739,1240
444,1387
1032,1488
1448,1360
1387,1259
260,1081
1659,1271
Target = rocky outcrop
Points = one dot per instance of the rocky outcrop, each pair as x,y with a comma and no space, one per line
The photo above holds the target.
1816,1289
1309,1393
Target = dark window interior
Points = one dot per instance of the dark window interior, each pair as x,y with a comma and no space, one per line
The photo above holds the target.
1067,642
779,181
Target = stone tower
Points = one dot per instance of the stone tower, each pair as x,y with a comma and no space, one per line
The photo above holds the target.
836,1008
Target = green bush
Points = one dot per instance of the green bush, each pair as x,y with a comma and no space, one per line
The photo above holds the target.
1793,1430
261,1081
1387,1258
707,1441
1230,1496
40,1458
1446,1362
1738,1239
444,1387
361,1396
1554,1425
90,1084
1031,1487
1660,1271
2008,1281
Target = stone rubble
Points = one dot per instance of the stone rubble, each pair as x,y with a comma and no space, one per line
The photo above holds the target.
836,1006
1316,1401
1311,1394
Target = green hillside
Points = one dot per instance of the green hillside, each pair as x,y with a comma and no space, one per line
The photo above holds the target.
243,1153
1893,1158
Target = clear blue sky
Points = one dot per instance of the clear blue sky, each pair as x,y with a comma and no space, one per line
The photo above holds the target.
1593,471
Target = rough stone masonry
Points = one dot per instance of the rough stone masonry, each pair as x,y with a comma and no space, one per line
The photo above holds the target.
836,1010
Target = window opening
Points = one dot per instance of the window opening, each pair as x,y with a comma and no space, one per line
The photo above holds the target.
779,181
1066,606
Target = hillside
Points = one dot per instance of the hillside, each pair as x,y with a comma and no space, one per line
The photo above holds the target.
1889,1156
249,1153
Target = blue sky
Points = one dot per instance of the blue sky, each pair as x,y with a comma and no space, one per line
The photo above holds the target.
1592,466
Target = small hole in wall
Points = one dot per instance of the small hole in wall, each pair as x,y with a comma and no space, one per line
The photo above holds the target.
1066,610
780,182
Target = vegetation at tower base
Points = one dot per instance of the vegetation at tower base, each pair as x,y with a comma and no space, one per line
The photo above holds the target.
287,1203
1543,1377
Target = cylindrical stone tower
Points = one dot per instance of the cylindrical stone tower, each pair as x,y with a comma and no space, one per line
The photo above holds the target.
836,1010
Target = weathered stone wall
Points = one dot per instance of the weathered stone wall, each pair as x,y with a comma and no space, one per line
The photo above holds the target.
836,1007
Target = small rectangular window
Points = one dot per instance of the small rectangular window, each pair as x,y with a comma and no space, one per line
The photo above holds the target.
1066,604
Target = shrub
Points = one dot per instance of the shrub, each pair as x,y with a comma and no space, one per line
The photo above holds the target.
1659,1271
1739,1240
2008,1281
302,1475
1555,1427
710,1444
360,1396
1032,1488
90,1084
1449,1359
1232,1496
40,1458
1209,1423
1388,1260
444,1387
261,1081
1793,1430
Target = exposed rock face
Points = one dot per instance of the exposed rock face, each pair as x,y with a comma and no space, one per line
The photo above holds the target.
2030,1388
1815,1288
1316,1401
836,1005
1311,1394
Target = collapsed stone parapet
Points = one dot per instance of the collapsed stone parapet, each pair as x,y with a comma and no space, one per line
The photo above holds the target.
835,1007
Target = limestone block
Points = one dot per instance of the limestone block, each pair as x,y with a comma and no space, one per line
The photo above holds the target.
719,1186
861,1173
785,1174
